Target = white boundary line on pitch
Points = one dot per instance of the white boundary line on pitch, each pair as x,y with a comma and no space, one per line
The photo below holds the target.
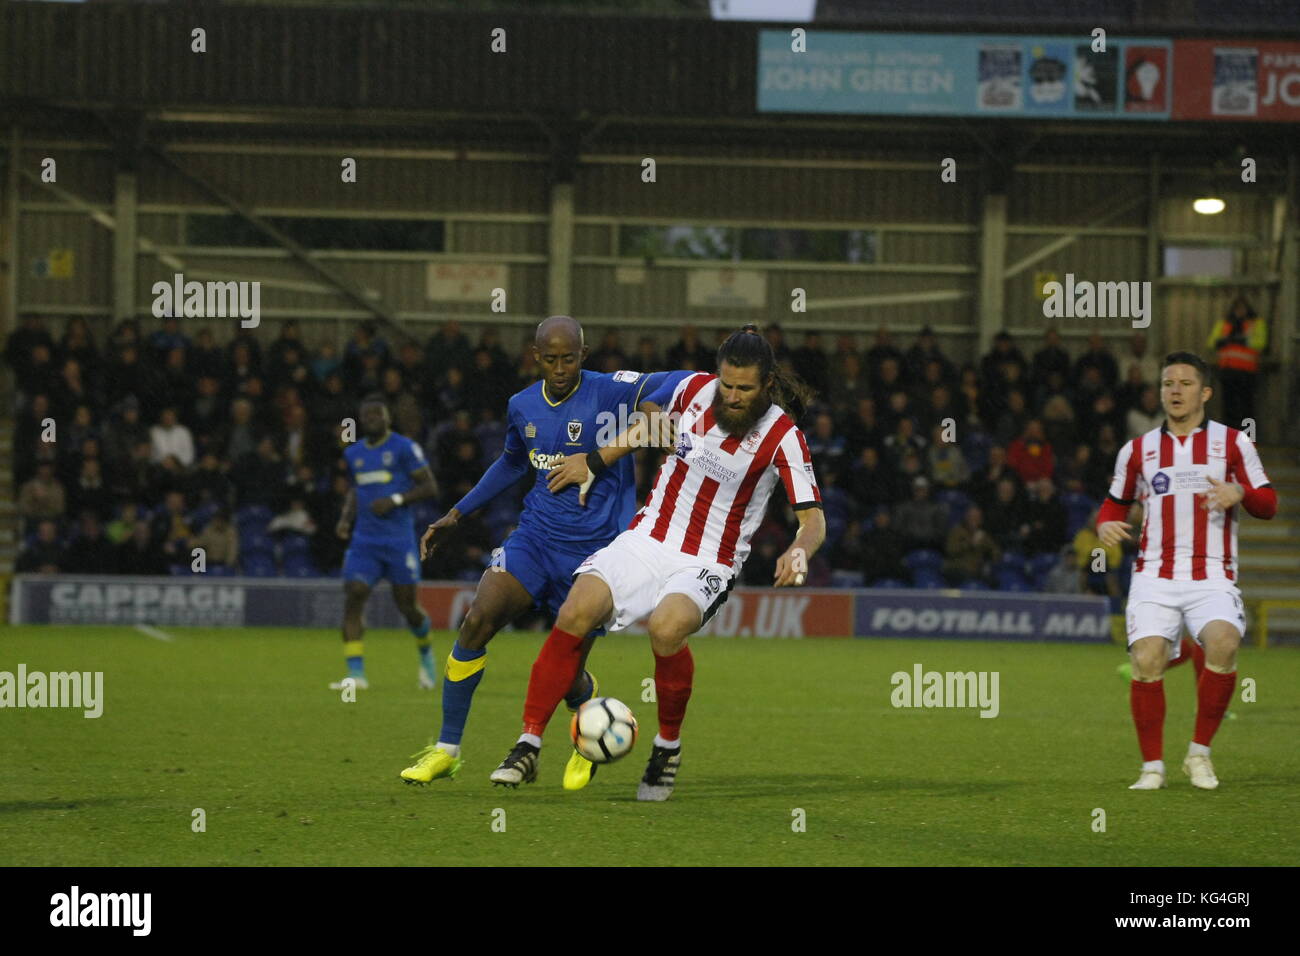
153,632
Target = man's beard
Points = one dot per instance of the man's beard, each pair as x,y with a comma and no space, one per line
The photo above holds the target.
738,424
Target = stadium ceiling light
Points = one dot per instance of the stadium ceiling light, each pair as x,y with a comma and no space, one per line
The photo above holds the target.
1209,205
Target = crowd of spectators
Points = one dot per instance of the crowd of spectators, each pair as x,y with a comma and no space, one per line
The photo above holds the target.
935,470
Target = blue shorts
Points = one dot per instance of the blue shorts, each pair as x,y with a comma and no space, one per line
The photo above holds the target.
368,561
544,567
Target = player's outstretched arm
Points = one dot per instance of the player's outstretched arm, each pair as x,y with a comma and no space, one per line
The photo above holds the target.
349,514
502,474
429,541
792,567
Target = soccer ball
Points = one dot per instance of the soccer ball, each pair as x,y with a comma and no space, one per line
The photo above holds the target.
603,729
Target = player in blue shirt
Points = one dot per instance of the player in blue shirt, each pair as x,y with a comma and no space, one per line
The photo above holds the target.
570,411
389,472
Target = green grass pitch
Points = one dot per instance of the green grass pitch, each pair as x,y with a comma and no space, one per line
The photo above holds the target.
240,723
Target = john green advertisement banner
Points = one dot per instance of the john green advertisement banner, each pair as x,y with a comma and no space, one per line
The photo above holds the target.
950,75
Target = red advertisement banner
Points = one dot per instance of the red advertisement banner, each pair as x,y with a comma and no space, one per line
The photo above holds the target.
748,612
1236,80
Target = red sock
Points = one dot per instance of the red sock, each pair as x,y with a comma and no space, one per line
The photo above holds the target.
673,678
553,673
1213,692
1148,704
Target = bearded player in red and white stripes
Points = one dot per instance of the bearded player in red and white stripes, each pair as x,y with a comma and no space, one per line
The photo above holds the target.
679,558
1192,473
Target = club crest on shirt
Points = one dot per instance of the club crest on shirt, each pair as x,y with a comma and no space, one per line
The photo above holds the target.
575,432
1160,483
388,458
752,441
358,462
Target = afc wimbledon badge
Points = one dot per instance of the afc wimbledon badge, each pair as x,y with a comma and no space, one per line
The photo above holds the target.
575,431
530,430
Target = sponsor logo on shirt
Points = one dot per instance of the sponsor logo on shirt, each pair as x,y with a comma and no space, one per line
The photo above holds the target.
541,461
684,444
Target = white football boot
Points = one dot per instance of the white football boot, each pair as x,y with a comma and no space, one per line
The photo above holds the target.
1199,768
1149,780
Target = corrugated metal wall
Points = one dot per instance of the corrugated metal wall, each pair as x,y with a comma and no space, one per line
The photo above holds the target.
499,208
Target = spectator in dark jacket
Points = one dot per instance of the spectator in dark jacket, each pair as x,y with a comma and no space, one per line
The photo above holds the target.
140,554
45,554
922,520
883,549
90,552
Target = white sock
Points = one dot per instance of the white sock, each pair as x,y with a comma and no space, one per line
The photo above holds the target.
667,744
452,749
1197,750
1157,765
533,739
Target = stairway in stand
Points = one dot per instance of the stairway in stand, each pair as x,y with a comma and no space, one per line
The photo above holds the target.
1269,562
8,514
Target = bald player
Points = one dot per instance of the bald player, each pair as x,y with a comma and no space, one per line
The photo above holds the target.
563,414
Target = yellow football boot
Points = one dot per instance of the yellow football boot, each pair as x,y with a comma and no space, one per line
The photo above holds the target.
430,764
578,772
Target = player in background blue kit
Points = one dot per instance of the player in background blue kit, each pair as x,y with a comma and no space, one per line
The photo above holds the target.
561,415
388,471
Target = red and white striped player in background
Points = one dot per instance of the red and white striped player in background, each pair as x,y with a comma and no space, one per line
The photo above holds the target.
1192,473
677,562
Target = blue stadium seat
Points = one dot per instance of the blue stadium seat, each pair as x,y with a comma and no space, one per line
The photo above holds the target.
297,570
847,579
888,583
201,515
928,579
259,566
256,543
956,502
292,544
1011,579
255,517
178,570
1011,561
923,559
1039,567
974,586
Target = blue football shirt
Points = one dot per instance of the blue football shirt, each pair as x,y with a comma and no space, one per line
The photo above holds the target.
542,432
379,471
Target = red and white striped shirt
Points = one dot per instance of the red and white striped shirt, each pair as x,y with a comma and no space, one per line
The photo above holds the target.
709,497
1181,540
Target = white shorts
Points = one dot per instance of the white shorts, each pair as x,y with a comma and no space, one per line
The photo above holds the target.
641,572
1160,607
